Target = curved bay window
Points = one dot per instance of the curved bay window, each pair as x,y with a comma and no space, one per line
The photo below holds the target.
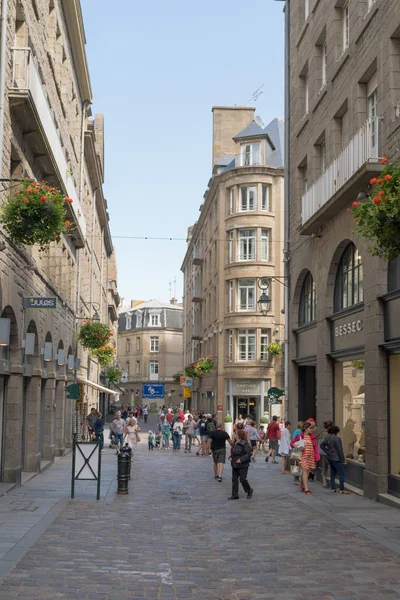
308,302
349,288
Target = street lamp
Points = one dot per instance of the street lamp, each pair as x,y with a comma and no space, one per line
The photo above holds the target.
264,302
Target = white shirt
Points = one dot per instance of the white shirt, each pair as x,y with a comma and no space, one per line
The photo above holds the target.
285,442
178,427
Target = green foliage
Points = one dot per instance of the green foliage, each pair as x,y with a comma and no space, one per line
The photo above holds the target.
264,419
199,368
177,377
114,375
378,218
228,419
358,364
35,214
275,349
104,354
94,334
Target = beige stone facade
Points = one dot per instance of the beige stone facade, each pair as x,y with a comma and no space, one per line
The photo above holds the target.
150,343
235,245
344,116
46,135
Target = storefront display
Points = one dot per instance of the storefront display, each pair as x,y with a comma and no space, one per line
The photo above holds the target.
350,408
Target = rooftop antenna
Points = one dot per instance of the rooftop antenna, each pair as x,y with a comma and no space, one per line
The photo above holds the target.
255,95
170,289
174,287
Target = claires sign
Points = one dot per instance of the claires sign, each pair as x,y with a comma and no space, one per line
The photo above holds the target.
348,328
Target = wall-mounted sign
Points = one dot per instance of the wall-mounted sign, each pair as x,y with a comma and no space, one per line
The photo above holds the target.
187,392
246,386
153,390
348,328
32,302
348,332
124,377
188,382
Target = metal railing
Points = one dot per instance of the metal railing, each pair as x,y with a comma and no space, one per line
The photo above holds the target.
249,159
362,148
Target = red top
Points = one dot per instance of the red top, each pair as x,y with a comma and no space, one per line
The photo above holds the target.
169,417
273,430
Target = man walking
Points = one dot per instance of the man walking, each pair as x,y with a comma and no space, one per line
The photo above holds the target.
91,422
218,439
117,428
273,438
188,430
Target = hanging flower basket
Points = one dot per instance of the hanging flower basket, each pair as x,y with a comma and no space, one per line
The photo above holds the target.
275,349
199,368
35,214
378,218
94,334
104,354
114,375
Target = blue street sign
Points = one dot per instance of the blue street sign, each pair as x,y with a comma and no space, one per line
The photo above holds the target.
153,390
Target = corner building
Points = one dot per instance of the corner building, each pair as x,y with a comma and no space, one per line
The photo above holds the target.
344,337
234,248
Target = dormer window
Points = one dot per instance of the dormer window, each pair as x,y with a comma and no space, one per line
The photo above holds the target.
250,154
128,321
155,321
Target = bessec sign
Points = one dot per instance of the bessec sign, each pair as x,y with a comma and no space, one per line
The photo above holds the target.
153,390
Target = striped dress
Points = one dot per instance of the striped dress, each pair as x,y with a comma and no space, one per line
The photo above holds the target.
307,461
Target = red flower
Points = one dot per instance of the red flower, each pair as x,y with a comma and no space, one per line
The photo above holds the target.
377,200
355,203
388,177
26,201
373,181
43,199
356,220
380,193
380,181
29,190
384,160
68,224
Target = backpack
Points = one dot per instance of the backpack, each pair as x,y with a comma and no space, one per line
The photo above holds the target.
203,427
210,426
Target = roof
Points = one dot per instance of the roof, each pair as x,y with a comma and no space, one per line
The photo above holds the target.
225,160
275,131
251,130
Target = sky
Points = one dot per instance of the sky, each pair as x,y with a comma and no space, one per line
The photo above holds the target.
157,67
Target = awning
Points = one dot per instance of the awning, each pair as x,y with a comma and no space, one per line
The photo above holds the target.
99,387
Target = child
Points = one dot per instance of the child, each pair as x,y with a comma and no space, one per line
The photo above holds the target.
261,441
150,440
166,436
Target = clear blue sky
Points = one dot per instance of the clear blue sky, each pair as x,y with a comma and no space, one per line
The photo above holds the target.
157,67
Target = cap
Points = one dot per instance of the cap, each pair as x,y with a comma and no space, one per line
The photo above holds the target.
310,420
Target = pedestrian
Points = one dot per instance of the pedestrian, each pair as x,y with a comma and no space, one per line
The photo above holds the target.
117,427
239,420
150,440
273,439
188,430
169,417
203,436
240,460
261,440
146,413
166,434
210,426
91,421
177,434
333,448
218,439
99,430
253,437
196,430
307,442
324,459
131,432
284,450
297,431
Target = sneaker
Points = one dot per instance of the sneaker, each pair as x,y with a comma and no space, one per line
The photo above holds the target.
219,479
215,476
267,459
233,498
249,495
274,462
197,453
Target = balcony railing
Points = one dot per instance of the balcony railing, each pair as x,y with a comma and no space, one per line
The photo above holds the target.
25,78
361,149
249,159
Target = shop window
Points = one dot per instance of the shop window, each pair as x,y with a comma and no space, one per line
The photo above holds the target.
349,288
394,275
394,414
128,346
308,302
350,408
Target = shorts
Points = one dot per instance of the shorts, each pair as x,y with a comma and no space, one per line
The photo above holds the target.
273,444
253,443
204,438
118,437
219,456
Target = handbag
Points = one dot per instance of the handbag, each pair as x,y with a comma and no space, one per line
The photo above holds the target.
295,469
295,456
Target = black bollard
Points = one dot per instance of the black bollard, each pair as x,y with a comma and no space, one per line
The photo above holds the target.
128,450
123,472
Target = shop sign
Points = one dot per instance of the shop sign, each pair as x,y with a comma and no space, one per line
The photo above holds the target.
153,390
246,386
187,392
347,332
40,302
347,328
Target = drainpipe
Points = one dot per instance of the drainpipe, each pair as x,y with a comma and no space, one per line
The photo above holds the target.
286,251
3,50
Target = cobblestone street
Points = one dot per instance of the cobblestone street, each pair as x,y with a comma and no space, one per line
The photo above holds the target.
177,537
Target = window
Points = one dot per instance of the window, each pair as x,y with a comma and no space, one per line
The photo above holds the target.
306,95
265,242
230,246
138,344
246,294
306,9
346,26
264,344
251,154
138,367
248,198
127,366
373,121
230,346
155,320
350,407
128,346
266,197
247,244
153,370
323,64
394,274
247,344
349,280
322,156
231,201
230,296
128,322
154,344
307,301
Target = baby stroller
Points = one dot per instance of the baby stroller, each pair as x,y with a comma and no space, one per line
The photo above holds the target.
158,441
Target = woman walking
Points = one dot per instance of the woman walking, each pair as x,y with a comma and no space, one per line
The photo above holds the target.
132,434
333,448
310,454
177,433
240,460
284,449
253,436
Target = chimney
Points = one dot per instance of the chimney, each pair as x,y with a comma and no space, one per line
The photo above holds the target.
174,301
227,122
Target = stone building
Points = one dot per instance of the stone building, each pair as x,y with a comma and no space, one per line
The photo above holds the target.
46,134
235,250
150,352
344,305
